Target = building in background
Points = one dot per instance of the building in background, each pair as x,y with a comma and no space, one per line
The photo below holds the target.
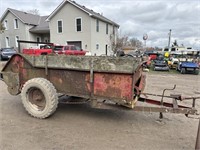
20,25
70,23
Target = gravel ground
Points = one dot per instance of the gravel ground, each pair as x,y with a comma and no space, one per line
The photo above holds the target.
80,127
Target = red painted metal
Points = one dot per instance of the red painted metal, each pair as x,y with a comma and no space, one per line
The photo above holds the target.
154,102
113,85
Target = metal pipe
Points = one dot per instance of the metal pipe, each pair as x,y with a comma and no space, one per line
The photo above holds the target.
197,146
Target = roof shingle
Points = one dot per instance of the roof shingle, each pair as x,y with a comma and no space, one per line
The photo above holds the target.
25,17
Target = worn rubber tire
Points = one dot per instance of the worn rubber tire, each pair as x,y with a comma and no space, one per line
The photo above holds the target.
196,72
49,95
183,70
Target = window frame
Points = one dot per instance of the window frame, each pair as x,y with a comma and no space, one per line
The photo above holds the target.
7,41
97,46
16,38
6,24
16,23
76,25
97,25
107,28
61,26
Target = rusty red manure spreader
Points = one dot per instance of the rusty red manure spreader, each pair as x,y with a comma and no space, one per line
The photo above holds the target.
102,81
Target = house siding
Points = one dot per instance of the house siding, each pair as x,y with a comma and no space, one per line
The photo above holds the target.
88,36
68,14
11,32
22,32
101,38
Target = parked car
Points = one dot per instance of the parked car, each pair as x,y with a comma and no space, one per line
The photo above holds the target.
160,64
6,53
152,54
68,50
173,62
188,66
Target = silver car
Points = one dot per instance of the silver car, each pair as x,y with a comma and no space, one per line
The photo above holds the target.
6,53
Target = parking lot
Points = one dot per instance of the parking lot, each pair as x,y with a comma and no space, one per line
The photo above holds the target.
81,127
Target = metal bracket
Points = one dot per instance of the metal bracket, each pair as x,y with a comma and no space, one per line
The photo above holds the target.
161,102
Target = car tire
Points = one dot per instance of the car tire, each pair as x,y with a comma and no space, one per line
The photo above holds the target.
183,70
39,98
196,72
1,58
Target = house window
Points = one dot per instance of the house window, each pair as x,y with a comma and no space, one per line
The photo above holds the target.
16,39
60,26
97,46
113,30
16,24
6,24
106,28
97,25
7,42
78,24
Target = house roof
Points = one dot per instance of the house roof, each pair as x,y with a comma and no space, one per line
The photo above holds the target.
42,27
83,8
25,17
39,22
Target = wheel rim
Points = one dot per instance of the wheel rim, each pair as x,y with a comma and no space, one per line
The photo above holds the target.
36,99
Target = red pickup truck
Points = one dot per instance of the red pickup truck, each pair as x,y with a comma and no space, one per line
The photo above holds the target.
58,49
68,50
43,50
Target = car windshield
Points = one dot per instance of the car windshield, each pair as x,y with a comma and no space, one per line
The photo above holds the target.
8,50
78,48
72,47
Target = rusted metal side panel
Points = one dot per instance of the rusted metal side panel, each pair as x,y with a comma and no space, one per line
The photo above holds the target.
110,82
70,82
83,63
113,85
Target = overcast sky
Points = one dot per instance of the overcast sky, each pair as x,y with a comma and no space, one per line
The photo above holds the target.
136,17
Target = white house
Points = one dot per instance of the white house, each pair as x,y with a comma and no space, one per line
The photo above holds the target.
69,23
20,25
72,23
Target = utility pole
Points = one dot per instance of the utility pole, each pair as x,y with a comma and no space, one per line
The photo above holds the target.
170,32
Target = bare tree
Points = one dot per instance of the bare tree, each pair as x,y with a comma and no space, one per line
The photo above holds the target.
134,42
119,43
33,11
125,41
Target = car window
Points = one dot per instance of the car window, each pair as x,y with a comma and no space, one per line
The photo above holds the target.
78,48
58,48
8,50
73,48
67,47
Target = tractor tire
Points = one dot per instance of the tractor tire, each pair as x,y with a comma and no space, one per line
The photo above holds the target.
183,70
39,97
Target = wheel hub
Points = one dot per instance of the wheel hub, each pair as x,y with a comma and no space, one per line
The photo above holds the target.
36,99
